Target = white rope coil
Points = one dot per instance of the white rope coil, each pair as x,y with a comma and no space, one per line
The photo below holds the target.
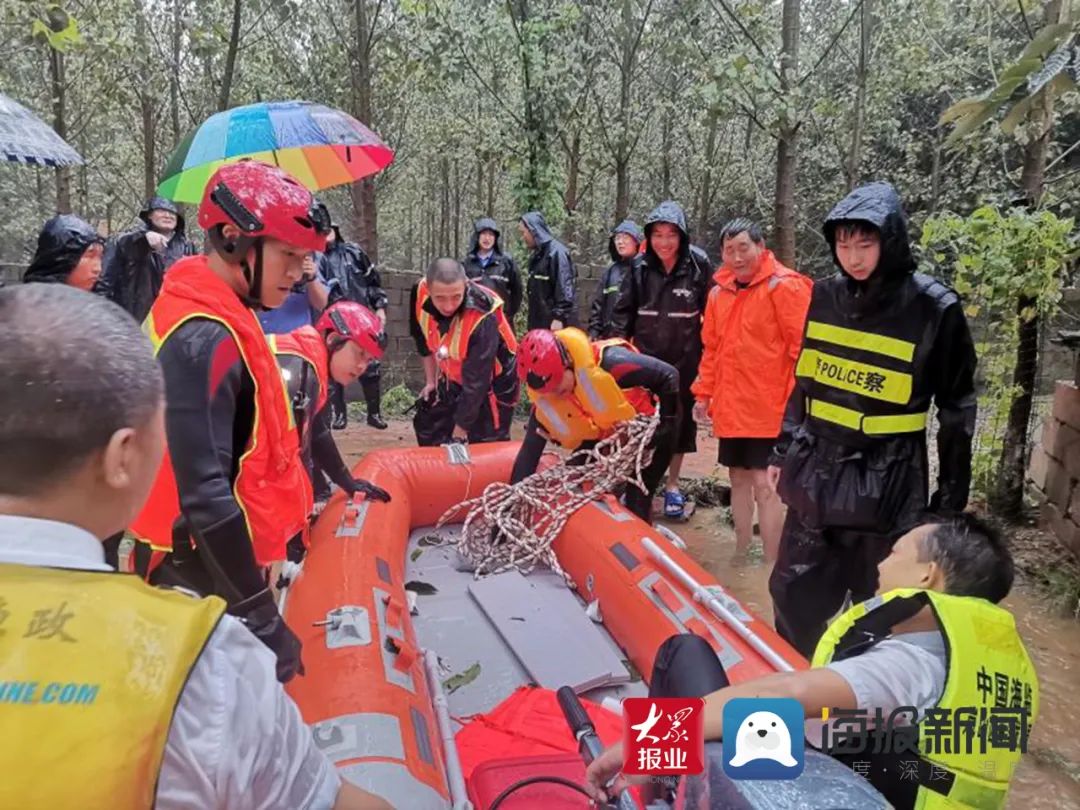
529,515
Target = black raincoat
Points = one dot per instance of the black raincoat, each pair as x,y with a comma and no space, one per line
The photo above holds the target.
607,290
500,274
552,285
61,243
662,312
132,271
853,450
350,275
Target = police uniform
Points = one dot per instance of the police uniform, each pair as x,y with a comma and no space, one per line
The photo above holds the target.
855,473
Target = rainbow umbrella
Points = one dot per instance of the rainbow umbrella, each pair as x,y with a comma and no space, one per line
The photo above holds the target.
319,146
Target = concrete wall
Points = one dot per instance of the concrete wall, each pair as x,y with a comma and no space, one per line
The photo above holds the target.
1054,470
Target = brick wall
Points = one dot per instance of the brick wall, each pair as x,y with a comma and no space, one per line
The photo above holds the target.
1055,467
401,363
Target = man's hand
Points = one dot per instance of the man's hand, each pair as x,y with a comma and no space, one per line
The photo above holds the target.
427,391
260,614
158,242
601,771
701,411
372,492
460,434
772,475
555,325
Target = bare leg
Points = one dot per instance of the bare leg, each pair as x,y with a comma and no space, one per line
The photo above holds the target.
771,514
673,472
742,507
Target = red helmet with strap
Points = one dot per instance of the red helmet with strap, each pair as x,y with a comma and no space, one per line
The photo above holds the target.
541,360
354,322
262,201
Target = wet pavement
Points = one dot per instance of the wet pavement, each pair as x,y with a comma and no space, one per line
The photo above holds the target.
1049,776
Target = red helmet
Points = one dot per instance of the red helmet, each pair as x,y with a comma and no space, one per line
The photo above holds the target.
541,360
260,200
356,323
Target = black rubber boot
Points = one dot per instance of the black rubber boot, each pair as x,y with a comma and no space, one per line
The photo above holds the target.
377,421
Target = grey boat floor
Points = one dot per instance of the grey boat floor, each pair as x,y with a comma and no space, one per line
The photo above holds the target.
479,669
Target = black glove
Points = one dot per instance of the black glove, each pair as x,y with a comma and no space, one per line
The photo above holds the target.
295,548
373,492
260,615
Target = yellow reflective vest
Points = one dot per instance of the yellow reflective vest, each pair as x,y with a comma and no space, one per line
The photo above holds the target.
92,665
597,403
971,739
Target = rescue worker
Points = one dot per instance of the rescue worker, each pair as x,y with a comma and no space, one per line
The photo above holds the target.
232,490
468,348
920,644
581,390
202,722
490,266
660,306
68,252
623,246
352,276
552,284
881,342
752,335
346,339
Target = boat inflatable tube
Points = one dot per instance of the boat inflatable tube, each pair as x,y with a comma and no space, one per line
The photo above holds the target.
365,692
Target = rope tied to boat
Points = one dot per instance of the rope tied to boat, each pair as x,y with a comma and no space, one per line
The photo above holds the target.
512,526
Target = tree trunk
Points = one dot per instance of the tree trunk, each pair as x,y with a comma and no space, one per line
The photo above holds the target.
479,183
457,209
59,99
573,174
363,196
787,145
665,163
534,188
146,105
701,221
444,209
489,210
1008,500
174,73
854,160
230,57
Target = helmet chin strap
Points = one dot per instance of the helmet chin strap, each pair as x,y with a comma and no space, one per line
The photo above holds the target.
253,299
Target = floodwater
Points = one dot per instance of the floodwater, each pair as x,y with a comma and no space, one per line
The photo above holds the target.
1049,776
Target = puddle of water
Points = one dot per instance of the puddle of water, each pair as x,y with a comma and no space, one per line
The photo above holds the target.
1041,782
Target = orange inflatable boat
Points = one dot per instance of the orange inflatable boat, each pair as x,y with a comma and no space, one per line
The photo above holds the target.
402,643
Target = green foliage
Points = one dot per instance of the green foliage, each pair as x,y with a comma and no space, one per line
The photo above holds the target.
996,261
397,400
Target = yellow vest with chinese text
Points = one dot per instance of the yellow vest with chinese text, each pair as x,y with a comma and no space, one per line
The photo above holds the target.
989,677
597,403
92,665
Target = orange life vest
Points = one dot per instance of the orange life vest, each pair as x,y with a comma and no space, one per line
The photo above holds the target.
455,343
271,486
307,344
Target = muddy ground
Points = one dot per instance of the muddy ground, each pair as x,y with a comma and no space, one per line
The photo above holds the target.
1049,777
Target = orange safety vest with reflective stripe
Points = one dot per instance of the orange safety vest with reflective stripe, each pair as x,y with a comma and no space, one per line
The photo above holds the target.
451,349
271,488
307,344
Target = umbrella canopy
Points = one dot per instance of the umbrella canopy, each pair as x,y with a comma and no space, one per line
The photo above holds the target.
25,138
320,146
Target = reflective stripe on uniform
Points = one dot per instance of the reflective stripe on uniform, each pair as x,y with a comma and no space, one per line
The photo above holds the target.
696,313
870,425
853,339
874,382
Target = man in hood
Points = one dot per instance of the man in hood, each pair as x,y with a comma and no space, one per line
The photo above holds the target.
660,306
68,252
490,267
623,246
552,286
881,343
136,263
351,276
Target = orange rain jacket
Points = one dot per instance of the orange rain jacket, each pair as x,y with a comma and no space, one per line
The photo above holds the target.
752,337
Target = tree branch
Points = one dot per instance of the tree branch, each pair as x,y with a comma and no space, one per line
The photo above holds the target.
746,33
1023,16
832,44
